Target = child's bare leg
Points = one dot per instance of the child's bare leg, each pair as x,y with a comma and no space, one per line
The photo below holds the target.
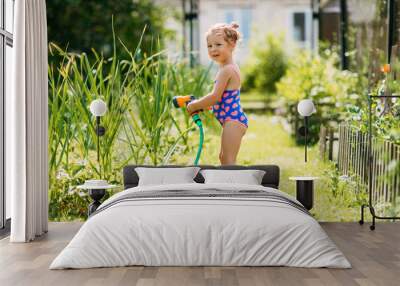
221,151
232,135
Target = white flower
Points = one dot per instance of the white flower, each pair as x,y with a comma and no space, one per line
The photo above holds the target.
71,190
62,174
82,162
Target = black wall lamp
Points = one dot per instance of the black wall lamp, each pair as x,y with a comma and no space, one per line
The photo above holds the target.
305,108
98,108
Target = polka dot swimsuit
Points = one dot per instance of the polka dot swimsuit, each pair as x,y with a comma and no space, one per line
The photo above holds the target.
228,108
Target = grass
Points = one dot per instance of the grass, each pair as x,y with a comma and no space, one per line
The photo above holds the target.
266,142
255,101
252,96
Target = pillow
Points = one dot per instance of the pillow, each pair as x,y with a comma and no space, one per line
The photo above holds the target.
164,176
249,177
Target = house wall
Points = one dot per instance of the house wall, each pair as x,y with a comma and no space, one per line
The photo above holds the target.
260,16
173,8
256,18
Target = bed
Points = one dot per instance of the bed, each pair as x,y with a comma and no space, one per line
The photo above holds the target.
201,224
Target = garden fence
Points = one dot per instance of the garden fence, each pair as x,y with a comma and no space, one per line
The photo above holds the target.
326,142
353,162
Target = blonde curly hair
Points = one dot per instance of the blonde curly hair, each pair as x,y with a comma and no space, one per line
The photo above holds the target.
228,31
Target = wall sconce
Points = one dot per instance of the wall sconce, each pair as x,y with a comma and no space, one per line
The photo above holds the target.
305,108
98,108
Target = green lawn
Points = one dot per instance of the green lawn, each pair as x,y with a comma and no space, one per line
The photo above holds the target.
252,96
256,101
266,142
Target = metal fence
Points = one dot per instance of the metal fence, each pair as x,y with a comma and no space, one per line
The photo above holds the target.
353,162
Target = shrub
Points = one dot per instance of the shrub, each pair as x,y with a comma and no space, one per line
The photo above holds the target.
385,112
266,66
318,78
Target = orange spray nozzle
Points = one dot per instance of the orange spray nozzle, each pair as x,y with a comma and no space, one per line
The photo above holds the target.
181,101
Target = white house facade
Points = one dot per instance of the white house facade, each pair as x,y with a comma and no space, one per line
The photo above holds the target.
256,18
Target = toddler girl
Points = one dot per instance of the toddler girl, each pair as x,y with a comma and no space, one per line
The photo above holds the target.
225,96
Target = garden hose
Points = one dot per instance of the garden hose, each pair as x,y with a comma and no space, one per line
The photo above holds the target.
197,121
181,101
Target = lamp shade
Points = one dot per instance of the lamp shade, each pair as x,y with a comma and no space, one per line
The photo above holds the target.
306,107
98,107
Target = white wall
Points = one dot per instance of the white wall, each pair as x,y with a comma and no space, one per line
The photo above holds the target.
172,7
267,16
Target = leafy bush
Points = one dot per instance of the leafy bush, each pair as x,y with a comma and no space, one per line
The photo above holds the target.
266,66
385,112
317,77
347,191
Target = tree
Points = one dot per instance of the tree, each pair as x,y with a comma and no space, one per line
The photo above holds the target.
85,24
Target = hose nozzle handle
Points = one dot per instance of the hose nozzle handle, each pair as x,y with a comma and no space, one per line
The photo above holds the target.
181,101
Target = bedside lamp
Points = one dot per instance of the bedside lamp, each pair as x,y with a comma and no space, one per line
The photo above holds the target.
98,108
305,108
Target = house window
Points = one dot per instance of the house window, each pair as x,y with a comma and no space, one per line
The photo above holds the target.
242,16
6,64
300,26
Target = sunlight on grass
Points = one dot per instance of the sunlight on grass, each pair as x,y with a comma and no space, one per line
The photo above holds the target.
252,96
267,143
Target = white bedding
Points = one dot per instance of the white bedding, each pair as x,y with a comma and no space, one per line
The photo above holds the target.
200,231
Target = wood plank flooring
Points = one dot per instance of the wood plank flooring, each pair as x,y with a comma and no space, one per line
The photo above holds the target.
374,255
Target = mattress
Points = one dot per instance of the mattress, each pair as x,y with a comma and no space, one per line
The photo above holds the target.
201,225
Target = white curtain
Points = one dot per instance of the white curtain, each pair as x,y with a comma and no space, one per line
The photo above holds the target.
26,127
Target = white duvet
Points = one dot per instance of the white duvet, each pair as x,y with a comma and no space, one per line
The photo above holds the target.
200,231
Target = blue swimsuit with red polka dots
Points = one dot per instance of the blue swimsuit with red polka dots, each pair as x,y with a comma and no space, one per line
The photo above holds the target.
228,108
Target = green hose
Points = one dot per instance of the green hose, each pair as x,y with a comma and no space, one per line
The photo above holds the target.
197,120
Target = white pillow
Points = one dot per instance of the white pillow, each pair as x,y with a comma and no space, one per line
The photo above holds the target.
249,177
164,176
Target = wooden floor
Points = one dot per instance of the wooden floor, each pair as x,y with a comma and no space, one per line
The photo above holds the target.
374,255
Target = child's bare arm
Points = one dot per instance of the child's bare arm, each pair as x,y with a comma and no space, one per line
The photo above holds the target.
215,95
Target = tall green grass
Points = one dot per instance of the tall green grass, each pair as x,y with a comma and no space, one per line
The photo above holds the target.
141,126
